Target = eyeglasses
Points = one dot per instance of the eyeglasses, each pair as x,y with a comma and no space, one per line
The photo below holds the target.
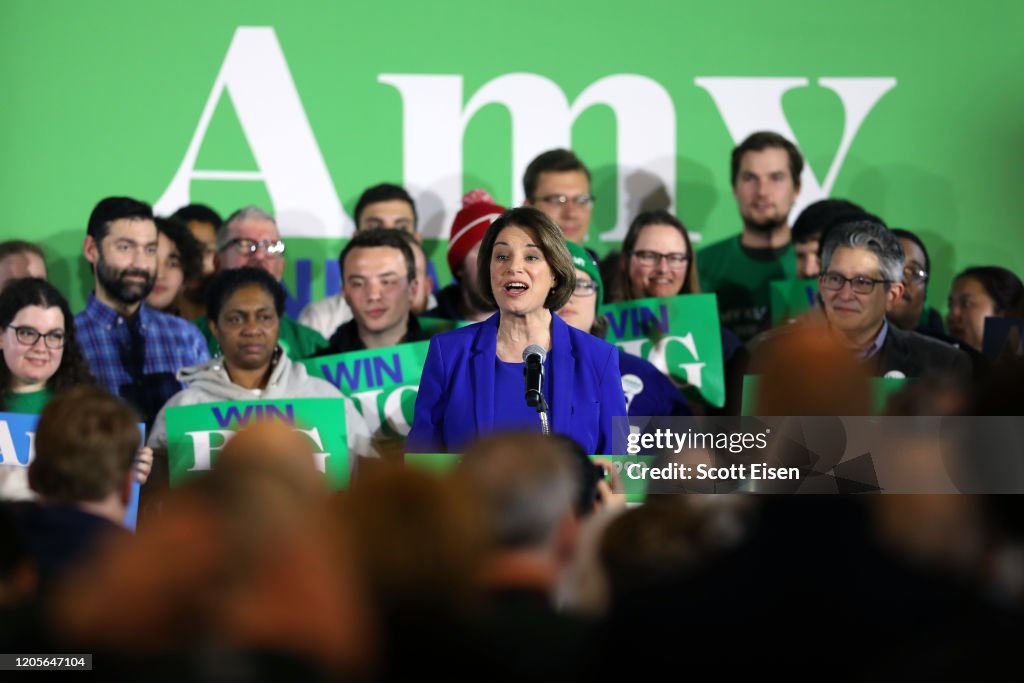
581,200
676,260
585,288
915,275
859,283
30,335
245,246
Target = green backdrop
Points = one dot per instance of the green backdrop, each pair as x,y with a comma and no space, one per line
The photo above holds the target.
105,98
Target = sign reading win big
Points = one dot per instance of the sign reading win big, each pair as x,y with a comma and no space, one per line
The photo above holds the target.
383,383
196,434
679,335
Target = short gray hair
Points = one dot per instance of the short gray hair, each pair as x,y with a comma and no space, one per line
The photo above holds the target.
876,238
527,484
243,214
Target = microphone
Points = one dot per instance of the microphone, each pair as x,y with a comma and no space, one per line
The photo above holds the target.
534,355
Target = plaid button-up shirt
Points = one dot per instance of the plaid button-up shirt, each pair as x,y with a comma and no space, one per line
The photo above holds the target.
171,343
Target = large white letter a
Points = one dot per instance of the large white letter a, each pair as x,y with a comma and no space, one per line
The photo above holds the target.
257,79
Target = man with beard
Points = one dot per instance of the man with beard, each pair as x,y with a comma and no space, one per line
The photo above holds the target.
133,351
766,171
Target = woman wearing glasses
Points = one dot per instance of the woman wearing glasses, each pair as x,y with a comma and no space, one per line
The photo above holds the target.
648,392
473,379
657,259
41,357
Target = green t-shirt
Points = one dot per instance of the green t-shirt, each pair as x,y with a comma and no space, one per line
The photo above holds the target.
741,279
297,340
29,402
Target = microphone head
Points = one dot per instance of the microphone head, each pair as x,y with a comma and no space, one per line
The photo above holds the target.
534,350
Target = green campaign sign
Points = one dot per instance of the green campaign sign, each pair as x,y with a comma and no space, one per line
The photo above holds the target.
383,383
680,335
197,433
790,298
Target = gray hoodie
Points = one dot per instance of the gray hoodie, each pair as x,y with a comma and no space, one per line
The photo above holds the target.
209,383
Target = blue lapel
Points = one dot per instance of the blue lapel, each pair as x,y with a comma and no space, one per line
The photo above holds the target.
563,365
481,368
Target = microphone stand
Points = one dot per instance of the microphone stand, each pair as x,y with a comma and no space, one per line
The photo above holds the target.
536,398
534,373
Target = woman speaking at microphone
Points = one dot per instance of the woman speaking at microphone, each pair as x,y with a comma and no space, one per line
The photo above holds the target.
473,380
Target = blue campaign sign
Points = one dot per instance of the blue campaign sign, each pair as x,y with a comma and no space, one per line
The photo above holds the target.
17,447
17,438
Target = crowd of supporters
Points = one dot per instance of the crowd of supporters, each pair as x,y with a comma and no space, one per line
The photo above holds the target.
523,558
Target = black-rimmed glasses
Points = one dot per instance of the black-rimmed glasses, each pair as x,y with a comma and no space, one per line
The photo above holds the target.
676,260
859,283
28,336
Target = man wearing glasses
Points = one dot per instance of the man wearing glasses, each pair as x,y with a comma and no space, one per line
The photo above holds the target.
133,351
909,312
249,238
862,280
558,184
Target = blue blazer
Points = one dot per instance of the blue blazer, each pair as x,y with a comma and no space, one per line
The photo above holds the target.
455,404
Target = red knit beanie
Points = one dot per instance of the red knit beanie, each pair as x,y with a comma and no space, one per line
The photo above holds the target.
471,222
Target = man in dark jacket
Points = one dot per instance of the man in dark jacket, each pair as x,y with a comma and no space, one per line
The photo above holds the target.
861,281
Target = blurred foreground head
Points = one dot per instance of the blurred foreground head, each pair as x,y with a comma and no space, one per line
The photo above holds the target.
418,545
281,454
667,537
243,559
85,444
807,372
418,536
528,485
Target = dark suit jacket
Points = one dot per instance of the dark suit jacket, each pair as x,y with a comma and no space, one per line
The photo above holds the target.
908,353
915,355
61,536
455,403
